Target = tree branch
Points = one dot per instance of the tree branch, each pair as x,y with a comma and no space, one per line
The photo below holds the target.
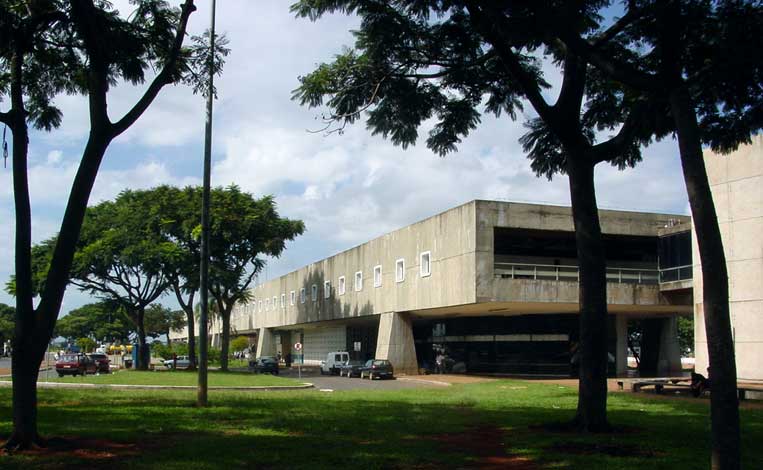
162,79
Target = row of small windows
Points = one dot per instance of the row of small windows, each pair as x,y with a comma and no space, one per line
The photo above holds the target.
425,270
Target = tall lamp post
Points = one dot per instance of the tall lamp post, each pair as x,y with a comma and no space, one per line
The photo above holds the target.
202,399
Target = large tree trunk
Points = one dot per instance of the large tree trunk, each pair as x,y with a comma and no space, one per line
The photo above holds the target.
724,404
225,345
143,354
27,356
592,288
25,365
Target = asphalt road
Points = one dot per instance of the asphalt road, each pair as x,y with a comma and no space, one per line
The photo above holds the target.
334,382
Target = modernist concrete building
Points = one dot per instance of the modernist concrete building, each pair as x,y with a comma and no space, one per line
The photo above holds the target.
492,284
737,184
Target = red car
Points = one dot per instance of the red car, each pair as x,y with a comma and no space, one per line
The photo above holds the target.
101,361
75,364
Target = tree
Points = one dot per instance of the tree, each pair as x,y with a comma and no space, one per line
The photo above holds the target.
81,47
414,61
100,321
243,230
702,59
160,320
239,343
122,257
86,345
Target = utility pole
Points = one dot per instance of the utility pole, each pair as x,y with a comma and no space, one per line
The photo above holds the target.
202,399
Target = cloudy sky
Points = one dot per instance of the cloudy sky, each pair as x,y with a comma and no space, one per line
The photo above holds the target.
347,188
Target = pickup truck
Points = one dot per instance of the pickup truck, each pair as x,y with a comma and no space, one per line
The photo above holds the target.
333,361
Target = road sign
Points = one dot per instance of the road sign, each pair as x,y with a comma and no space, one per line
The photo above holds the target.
298,346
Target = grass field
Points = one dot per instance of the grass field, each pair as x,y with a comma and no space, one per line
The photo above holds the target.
495,425
168,377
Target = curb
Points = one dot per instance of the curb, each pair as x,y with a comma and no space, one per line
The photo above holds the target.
303,386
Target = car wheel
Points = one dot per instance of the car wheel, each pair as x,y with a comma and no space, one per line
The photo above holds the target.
60,374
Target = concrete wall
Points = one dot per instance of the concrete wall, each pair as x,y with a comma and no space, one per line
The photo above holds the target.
491,214
449,237
736,181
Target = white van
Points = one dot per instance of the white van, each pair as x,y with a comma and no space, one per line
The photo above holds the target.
333,361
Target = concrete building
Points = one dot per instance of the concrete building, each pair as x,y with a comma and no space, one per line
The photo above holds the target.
737,184
491,284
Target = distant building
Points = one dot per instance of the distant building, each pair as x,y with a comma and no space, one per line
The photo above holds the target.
493,286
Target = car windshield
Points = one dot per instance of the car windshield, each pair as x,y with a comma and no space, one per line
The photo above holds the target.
369,362
68,358
380,363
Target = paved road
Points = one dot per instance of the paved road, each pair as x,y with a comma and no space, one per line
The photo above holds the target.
333,382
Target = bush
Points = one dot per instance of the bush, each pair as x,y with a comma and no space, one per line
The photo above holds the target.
239,343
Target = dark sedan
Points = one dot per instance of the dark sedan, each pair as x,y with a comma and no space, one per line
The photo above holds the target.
352,368
75,364
377,368
264,365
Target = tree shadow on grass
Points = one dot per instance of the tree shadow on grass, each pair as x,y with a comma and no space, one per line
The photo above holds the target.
410,429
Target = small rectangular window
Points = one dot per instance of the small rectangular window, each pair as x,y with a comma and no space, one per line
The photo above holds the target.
267,304
259,306
275,302
292,297
283,300
302,295
341,285
358,281
326,289
400,270
314,292
377,276
425,263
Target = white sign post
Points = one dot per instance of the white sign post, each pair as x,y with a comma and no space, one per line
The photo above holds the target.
298,347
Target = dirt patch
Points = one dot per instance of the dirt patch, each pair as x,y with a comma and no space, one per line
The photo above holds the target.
486,445
612,450
98,453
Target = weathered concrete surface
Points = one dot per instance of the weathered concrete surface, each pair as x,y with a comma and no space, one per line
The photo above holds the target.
395,342
736,181
266,344
669,360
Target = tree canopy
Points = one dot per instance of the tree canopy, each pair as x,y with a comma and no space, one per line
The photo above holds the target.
99,321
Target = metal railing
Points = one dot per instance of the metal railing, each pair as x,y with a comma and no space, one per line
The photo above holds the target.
677,273
555,272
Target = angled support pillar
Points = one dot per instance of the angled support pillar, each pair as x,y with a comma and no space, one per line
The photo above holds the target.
395,342
266,344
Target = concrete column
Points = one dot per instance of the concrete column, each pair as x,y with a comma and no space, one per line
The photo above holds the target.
266,345
669,361
395,342
621,351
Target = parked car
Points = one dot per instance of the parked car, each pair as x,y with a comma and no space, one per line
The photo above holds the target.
264,365
101,362
377,368
75,364
182,363
333,361
352,368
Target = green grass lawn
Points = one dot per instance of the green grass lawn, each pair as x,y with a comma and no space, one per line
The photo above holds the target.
454,427
169,377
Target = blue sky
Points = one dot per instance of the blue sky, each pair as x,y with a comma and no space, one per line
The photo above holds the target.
347,188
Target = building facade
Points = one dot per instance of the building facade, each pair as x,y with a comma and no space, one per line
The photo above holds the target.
490,285
736,181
